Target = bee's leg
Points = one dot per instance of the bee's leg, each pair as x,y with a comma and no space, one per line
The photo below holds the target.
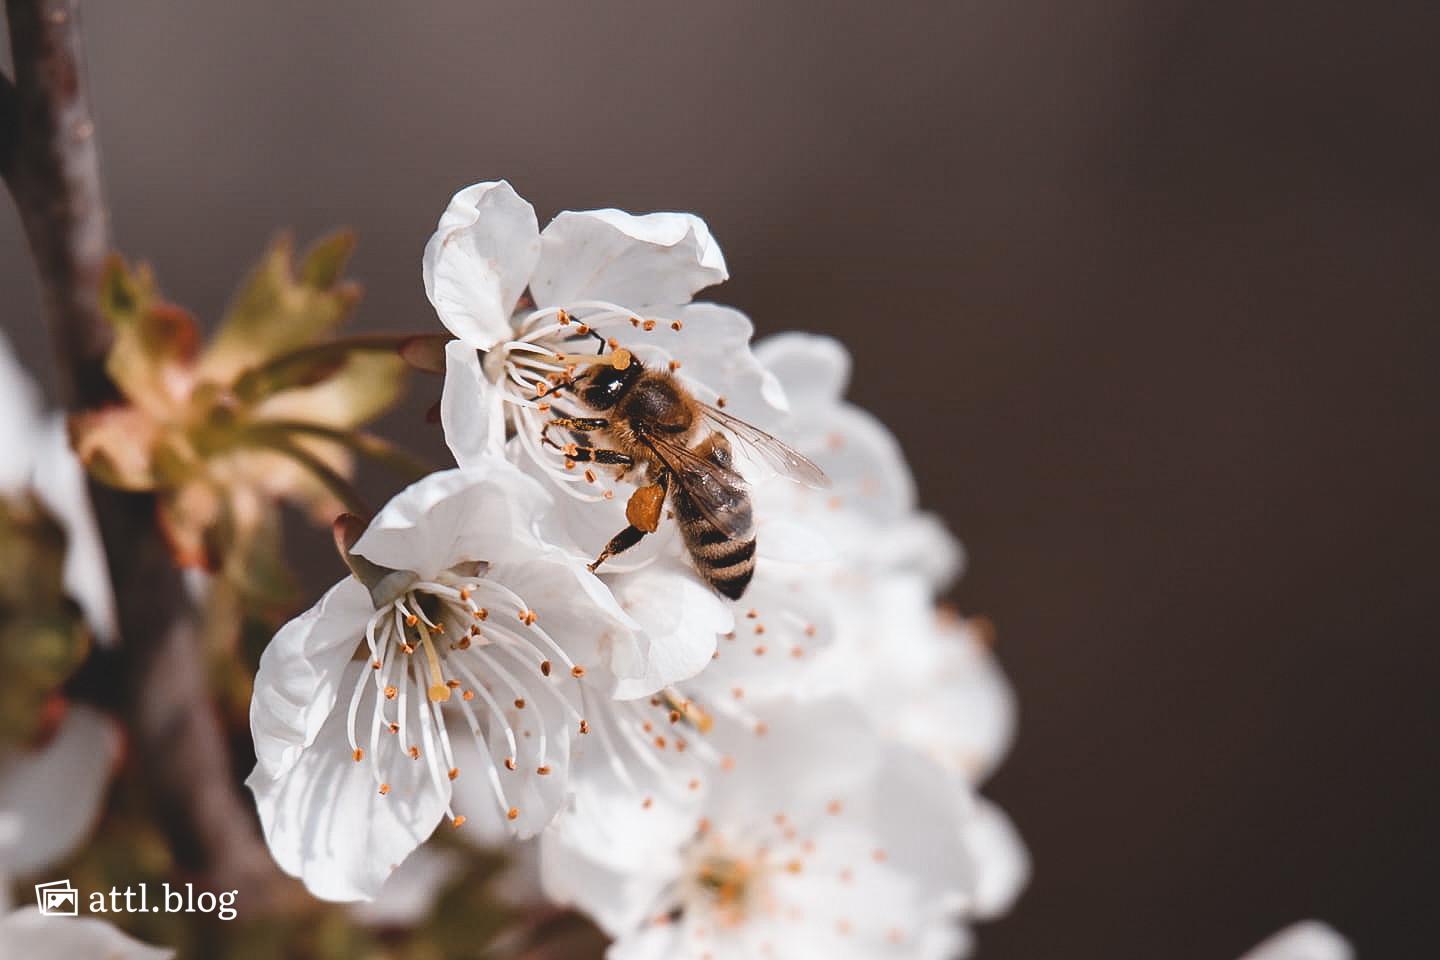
613,458
619,543
578,424
643,512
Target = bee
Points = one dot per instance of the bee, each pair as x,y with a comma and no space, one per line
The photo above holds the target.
650,421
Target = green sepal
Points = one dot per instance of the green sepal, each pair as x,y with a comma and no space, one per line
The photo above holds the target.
155,342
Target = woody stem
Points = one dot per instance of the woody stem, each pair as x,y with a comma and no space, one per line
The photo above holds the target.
49,161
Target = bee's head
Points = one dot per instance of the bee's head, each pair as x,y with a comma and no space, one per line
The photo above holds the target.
606,378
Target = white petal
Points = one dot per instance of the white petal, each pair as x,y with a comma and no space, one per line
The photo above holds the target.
951,699
637,261
300,674
617,900
29,934
681,617
485,512
479,260
1307,940
543,731
787,619
408,896
324,818
1002,864
472,409
60,484
19,417
814,370
633,805
787,540
56,792
836,747
575,609
861,457
657,942
917,809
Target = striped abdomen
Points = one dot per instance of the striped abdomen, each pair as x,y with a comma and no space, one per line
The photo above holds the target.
725,560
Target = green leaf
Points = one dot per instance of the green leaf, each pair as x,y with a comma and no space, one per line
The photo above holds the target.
286,444
408,466
366,386
313,364
279,309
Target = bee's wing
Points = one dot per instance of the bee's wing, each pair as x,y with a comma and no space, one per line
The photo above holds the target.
717,491
789,462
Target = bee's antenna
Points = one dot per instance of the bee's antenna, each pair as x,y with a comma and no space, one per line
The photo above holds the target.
583,330
619,357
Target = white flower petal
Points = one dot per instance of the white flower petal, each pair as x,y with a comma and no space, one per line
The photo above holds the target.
788,541
326,821
472,409
19,419
658,942
814,370
639,261
56,792
780,625
682,618
577,610
635,803
617,900
543,730
478,261
1002,864
485,512
829,740
59,482
31,935
299,677
408,896
912,803
1307,940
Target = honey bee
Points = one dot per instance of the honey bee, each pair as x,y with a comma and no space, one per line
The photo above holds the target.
651,421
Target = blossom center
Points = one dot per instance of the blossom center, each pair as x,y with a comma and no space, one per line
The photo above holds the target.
473,636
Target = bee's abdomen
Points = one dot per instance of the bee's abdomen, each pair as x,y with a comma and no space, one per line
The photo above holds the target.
727,563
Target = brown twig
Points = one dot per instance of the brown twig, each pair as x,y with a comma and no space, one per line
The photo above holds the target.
49,160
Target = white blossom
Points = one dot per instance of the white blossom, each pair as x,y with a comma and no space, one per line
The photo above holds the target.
592,277
469,624
927,678
1307,940
815,839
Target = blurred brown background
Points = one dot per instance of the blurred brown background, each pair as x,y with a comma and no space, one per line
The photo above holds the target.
1147,290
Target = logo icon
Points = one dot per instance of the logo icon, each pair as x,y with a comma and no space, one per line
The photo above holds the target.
57,898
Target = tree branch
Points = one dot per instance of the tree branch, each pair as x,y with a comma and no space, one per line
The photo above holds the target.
48,159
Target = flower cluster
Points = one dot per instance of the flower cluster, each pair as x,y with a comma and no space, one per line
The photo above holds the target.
673,615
